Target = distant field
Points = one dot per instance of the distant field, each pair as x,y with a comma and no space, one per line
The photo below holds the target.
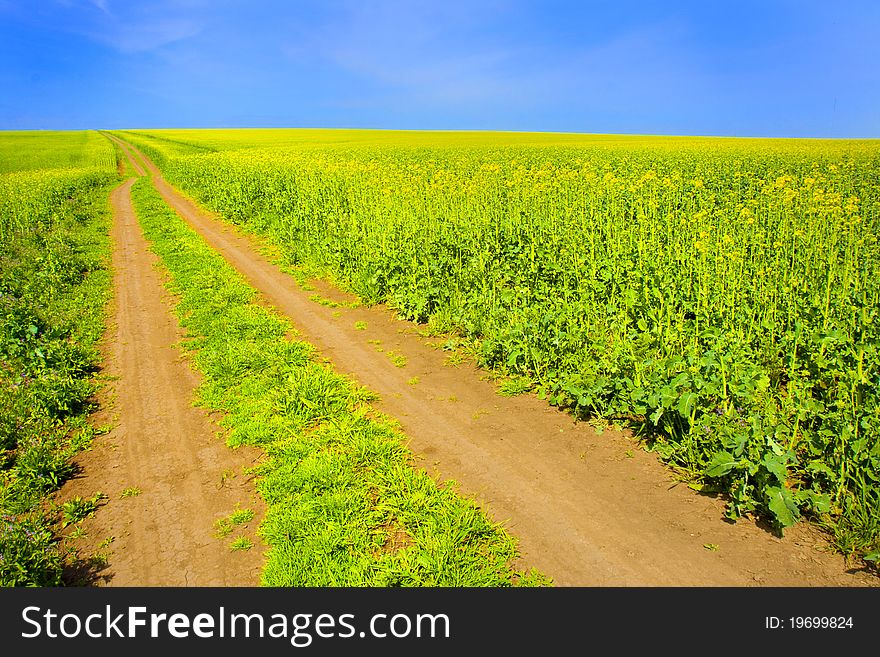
722,295
26,151
180,141
40,170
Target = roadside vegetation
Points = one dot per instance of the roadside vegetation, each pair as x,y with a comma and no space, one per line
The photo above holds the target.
54,287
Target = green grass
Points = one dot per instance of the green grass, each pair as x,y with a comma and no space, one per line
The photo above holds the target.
79,508
398,360
241,516
514,385
225,526
323,301
241,543
346,506
54,286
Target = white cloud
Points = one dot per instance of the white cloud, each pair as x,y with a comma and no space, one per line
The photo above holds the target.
100,5
449,56
137,37
417,51
133,27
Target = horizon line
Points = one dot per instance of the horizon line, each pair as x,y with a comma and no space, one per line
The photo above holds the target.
452,130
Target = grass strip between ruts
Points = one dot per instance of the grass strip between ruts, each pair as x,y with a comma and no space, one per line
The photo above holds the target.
346,506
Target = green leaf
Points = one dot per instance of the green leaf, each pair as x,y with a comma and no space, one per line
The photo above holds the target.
783,506
776,447
656,415
819,466
721,464
738,443
872,556
761,383
819,502
776,468
686,404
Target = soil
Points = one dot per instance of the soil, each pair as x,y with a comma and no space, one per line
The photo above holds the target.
159,444
587,508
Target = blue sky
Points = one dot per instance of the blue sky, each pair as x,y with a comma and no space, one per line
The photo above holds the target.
771,68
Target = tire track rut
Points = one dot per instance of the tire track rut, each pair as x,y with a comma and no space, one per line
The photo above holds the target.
160,443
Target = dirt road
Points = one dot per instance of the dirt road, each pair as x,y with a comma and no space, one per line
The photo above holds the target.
161,445
588,509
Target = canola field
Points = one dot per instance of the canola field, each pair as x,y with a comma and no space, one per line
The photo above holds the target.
719,295
40,170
